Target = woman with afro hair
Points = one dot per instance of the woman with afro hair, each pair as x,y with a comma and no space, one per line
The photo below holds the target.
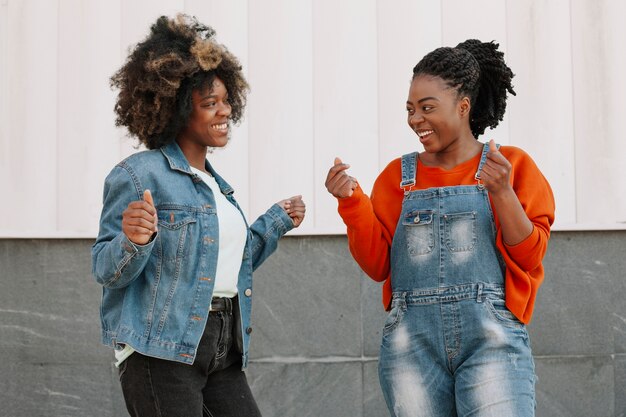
174,253
457,233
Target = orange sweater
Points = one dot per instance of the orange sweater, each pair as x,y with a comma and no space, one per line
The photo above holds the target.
372,222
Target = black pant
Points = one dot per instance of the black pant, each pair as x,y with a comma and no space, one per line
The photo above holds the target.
213,386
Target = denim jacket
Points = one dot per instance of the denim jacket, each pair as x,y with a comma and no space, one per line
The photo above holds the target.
156,297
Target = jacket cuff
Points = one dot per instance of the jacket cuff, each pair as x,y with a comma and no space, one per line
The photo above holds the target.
281,218
130,249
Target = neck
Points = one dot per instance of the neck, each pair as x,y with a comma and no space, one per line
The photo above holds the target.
195,154
461,150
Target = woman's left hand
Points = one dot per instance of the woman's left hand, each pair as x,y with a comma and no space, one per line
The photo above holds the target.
495,175
496,171
295,208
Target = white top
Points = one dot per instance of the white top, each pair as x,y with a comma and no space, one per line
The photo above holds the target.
232,234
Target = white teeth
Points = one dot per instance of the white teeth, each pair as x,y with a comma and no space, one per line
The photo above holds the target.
223,126
424,133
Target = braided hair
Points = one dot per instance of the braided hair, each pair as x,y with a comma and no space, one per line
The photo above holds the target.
477,70
155,84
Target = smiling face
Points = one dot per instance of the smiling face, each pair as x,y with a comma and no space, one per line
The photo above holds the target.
208,123
438,115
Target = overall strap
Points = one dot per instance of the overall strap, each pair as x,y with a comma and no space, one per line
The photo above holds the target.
483,159
409,169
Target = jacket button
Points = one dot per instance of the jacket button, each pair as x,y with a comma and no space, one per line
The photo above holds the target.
248,292
249,330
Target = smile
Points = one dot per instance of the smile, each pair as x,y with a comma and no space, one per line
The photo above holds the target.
423,133
223,126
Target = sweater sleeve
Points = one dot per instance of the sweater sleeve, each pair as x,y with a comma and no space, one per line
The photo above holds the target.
524,268
370,224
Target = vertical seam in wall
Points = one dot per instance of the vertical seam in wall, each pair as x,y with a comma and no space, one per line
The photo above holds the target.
249,61
362,388
122,59
313,113
506,39
56,126
378,89
248,130
4,76
574,134
441,22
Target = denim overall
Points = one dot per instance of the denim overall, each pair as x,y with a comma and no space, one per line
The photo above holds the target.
450,346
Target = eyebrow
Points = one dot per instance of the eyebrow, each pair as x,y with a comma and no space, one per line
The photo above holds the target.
202,98
427,98
424,99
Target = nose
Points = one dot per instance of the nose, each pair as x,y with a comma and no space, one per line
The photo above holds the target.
224,109
415,119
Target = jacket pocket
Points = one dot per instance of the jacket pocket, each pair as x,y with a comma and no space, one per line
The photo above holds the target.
174,233
419,229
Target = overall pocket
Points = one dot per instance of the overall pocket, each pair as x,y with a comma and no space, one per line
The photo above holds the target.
393,318
500,312
419,229
460,231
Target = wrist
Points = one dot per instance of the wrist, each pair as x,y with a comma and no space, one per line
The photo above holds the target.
503,193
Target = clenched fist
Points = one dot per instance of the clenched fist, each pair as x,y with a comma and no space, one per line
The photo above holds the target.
295,208
139,220
338,182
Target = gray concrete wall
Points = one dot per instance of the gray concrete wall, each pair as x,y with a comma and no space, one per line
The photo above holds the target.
317,323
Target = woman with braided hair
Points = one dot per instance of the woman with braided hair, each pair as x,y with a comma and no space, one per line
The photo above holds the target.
457,233
174,253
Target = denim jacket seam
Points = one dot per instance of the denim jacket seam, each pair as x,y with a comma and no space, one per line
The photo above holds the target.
131,172
119,269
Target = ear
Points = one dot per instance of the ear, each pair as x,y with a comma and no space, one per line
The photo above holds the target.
464,107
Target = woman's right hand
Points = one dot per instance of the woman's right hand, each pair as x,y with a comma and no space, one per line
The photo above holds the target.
139,220
338,182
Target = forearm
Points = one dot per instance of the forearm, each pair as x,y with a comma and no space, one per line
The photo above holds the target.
514,223
265,233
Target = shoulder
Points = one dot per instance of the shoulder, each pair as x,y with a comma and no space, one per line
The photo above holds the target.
521,161
525,172
136,169
515,155
141,158
143,163
388,181
392,172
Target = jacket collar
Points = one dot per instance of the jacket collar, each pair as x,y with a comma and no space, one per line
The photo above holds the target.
176,158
